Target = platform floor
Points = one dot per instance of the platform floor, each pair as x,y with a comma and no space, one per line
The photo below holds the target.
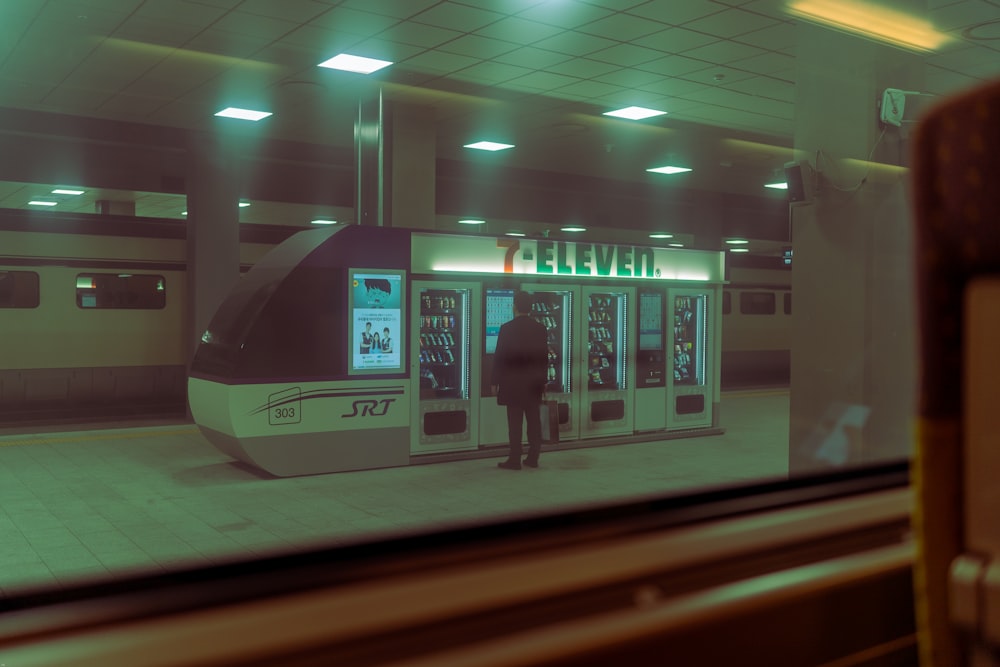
108,502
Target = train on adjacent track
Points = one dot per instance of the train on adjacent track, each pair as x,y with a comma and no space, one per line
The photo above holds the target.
94,316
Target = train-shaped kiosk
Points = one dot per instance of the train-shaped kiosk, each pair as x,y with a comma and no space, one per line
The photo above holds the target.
355,347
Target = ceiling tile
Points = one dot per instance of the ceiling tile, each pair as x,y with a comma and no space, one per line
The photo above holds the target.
565,14
299,11
529,56
31,62
20,92
584,68
115,65
80,17
254,25
154,31
474,46
226,43
518,30
724,52
587,89
491,73
136,106
760,86
72,98
541,81
345,19
626,55
437,62
780,37
394,8
673,66
179,11
676,13
962,15
675,40
628,78
731,23
620,27
385,49
765,63
940,81
575,43
325,43
673,88
457,17
418,34
507,6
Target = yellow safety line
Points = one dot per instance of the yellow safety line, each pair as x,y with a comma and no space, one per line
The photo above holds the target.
41,440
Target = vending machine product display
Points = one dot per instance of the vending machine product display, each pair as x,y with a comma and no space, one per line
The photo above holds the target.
606,362
691,401
552,310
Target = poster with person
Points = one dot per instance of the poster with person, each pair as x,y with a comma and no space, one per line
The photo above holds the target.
376,317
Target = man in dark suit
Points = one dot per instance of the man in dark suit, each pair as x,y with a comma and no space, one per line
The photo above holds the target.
519,374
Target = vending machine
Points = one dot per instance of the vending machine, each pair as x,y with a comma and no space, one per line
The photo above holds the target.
690,398
443,410
554,307
606,392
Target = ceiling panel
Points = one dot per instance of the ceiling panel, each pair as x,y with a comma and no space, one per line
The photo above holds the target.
589,90
254,25
298,11
21,92
395,8
80,17
475,46
724,52
541,81
489,73
766,63
111,67
72,98
624,27
779,37
625,55
529,56
222,42
437,62
180,11
731,23
565,14
676,13
132,106
518,30
345,19
673,66
584,68
149,31
675,40
418,34
575,43
457,17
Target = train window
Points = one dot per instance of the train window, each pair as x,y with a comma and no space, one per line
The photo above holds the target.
727,303
120,290
788,303
757,303
19,289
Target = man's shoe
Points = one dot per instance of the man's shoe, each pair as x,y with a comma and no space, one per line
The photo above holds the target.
531,463
509,465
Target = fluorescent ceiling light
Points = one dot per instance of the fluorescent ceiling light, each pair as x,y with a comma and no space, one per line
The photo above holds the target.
573,228
739,250
184,212
661,236
243,114
634,113
489,146
36,202
62,191
737,241
676,245
471,221
878,23
320,221
359,64
668,169
244,204
515,233
777,186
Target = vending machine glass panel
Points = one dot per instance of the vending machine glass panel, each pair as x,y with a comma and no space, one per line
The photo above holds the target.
690,314
606,341
554,310
444,343
651,360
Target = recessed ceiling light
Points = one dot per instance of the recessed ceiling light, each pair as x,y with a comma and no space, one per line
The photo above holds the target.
515,234
359,64
36,202
661,236
739,250
676,245
184,212
489,146
669,169
243,114
244,204
777,186
573,228
737,241
321,221
472,221
66,191
635,113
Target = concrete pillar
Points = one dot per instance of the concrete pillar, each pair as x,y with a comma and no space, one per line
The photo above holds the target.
371,203
213,233
853,322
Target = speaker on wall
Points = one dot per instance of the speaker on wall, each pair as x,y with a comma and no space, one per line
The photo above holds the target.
801,181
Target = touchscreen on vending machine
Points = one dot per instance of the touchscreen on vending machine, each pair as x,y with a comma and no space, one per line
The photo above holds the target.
499,311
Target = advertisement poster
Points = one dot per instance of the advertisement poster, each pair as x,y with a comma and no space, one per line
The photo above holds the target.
377,339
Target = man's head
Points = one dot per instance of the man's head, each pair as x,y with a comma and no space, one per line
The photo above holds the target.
368,326
522,303
386,332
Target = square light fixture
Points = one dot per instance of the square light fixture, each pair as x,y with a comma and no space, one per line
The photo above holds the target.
634,113
243,114
67,191
38,202
669,169
489,146
358,64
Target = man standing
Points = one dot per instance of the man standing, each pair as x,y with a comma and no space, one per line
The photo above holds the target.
519,376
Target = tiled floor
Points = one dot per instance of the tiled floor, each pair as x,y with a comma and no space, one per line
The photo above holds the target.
100,503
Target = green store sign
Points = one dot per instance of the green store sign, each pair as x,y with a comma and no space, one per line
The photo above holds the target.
591,259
